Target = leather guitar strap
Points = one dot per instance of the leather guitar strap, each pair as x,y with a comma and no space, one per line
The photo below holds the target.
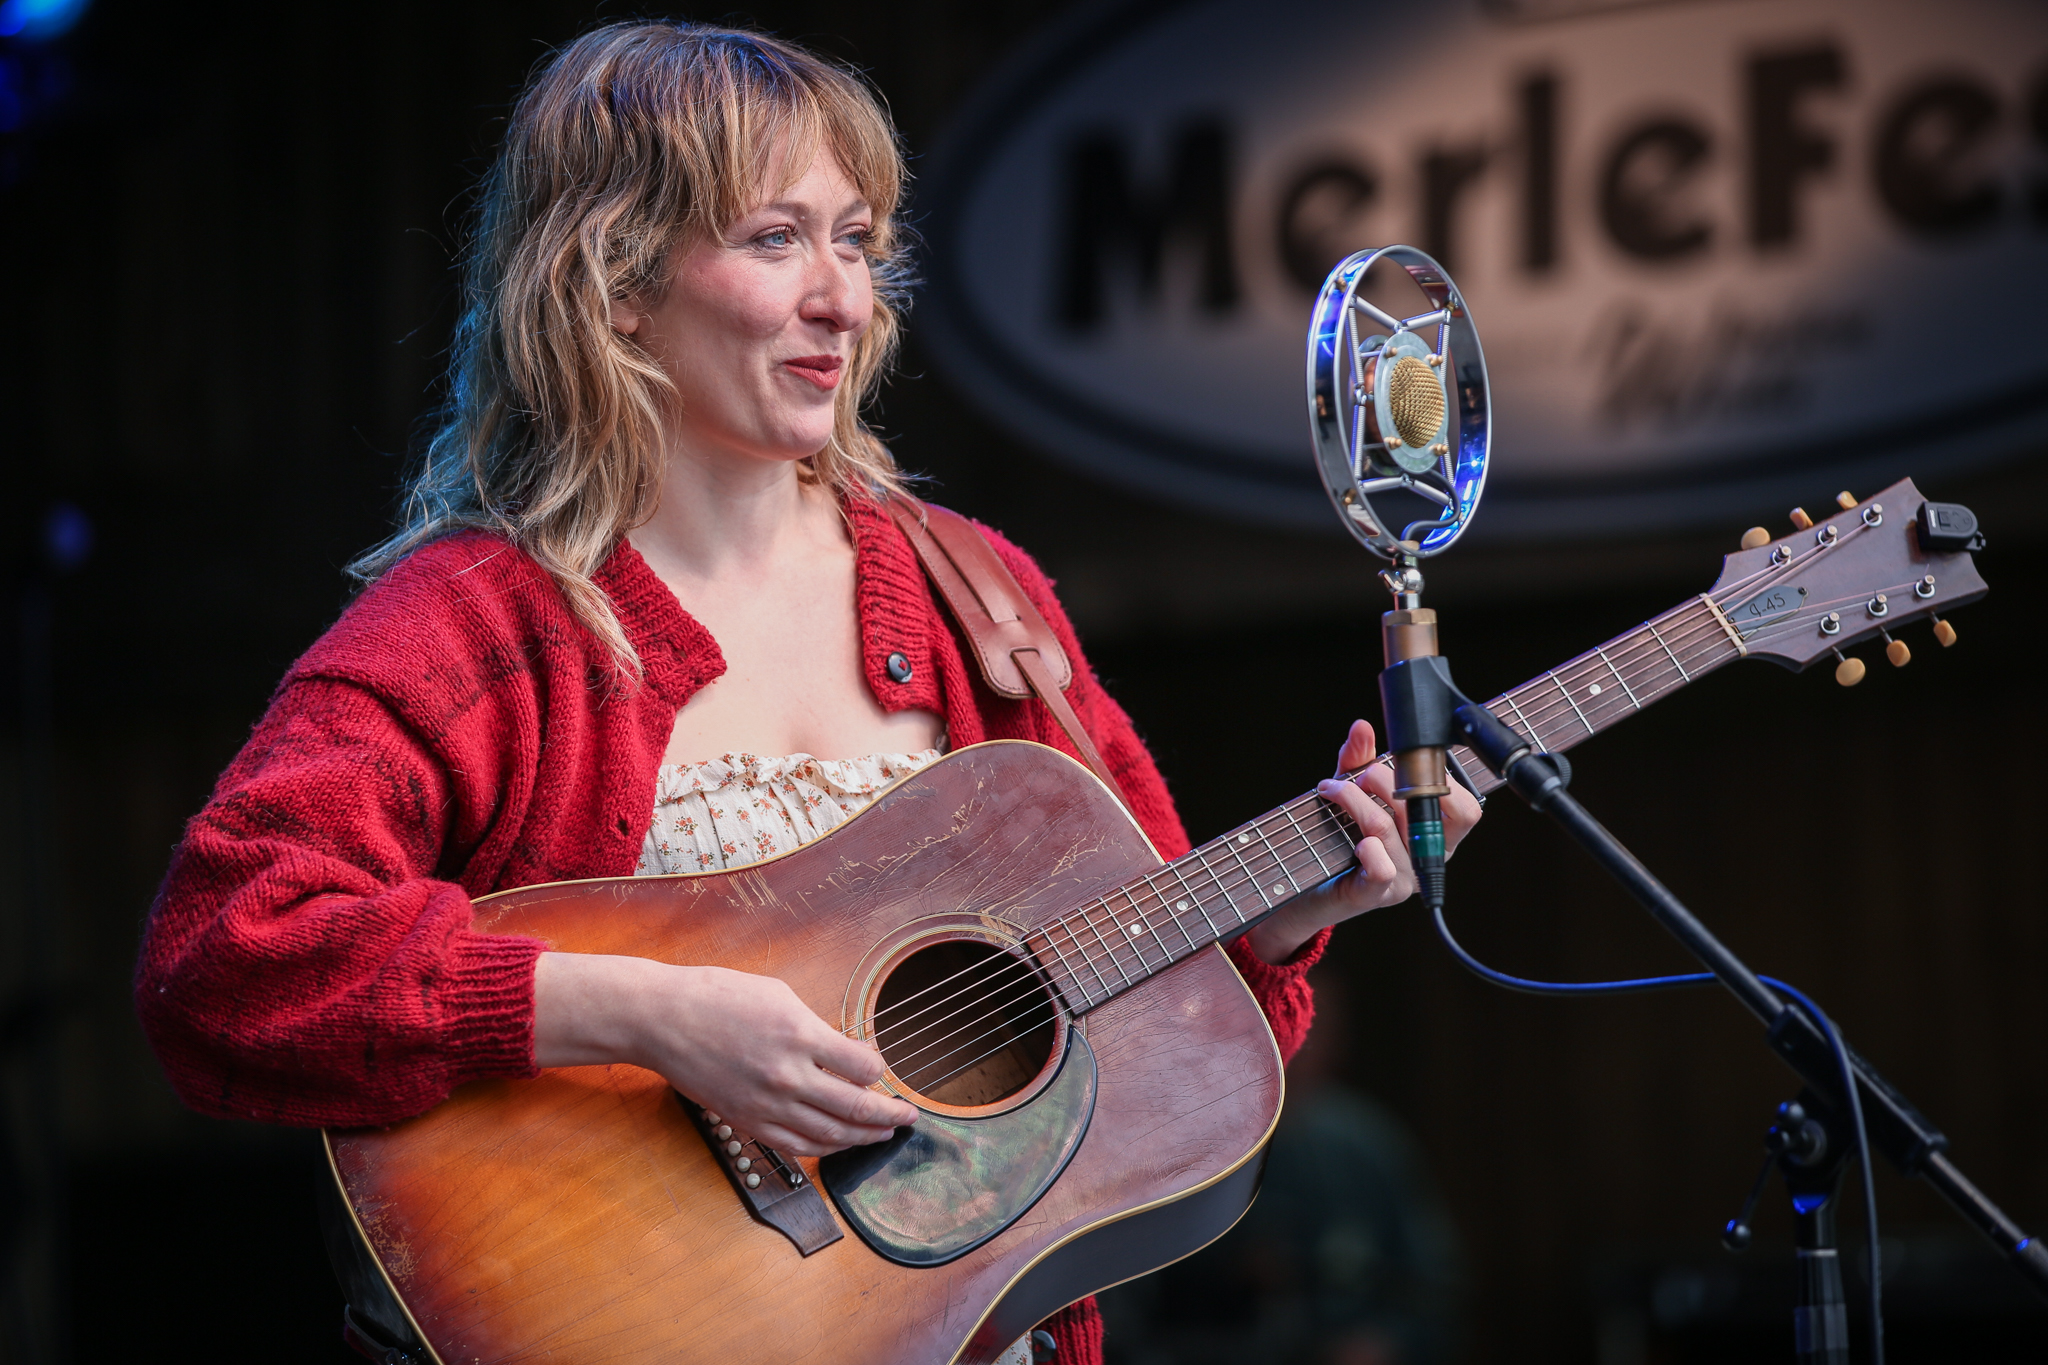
1020,657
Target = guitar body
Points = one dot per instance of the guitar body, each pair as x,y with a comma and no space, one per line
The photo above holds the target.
584,1217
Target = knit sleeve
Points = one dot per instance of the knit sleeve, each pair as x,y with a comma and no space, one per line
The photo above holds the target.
302,963
1283,990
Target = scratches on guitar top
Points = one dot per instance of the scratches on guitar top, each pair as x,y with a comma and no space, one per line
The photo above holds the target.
578,1217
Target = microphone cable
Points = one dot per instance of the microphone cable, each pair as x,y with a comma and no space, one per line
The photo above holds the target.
1661,983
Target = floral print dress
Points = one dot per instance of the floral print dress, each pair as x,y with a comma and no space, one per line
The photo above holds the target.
740,808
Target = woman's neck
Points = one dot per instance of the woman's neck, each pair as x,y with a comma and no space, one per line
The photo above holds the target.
720,518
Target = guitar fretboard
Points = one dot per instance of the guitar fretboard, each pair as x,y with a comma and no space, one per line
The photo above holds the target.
1212,894
1579,699
1219,890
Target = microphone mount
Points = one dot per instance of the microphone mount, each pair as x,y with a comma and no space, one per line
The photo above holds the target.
1399,411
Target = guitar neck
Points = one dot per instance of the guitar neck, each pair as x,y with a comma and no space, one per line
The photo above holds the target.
1578,699
1219,890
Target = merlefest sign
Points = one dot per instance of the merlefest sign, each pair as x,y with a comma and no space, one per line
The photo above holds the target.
1721,253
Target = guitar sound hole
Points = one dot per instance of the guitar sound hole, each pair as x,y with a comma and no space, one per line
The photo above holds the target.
964,1023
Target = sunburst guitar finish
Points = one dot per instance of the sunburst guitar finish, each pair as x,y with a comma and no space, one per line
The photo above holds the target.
583,1216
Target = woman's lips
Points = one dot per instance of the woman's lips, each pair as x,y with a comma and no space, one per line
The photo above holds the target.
822,370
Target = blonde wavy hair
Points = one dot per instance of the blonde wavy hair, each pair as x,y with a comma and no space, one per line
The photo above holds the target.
632,141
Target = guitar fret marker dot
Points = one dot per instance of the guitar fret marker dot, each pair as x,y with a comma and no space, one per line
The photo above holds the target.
1180,905
1279,890
1244,838
1594,690
1135,928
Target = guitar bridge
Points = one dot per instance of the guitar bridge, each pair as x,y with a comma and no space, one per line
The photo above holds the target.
775,1191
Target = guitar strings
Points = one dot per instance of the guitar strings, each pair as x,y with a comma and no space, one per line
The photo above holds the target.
1687,644
1746,586
1038,1001
1007,962
1089,913
1553,709
1010,1025
1029,984
1685,640
1647,639
998,959
1023,976
1681,645
1028,1006
1299,843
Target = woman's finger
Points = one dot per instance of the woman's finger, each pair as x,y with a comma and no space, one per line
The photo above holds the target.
1357,749
847,1103
812,1130
1461,813
1377,863
1372,818
858,1062
834,1133
819,1138
1378,785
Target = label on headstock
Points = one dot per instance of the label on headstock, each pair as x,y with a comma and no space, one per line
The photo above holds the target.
1766,605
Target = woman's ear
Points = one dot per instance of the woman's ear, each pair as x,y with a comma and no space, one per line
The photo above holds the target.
625,318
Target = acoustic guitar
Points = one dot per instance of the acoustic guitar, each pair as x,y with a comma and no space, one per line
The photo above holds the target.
1097,1085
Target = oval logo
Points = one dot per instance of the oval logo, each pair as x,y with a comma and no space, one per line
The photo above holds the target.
1717,250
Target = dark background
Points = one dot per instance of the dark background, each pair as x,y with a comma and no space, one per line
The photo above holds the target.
226,233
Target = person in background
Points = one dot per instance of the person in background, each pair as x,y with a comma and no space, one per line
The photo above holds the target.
1349,1257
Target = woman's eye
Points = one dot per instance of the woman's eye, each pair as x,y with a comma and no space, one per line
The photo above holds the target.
858,238
780,237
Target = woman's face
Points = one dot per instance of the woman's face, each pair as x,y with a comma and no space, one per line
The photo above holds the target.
758,325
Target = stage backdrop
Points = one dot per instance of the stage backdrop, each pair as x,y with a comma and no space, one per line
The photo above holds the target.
1720,252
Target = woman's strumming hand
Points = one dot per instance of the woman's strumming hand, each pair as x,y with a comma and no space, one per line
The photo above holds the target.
1383,876
742,1046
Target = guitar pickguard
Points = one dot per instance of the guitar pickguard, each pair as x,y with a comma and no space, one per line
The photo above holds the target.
938,1190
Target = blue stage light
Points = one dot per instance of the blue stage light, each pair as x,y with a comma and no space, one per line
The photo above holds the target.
13,103
67,537
37,21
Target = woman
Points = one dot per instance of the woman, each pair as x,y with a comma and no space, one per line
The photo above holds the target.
648,546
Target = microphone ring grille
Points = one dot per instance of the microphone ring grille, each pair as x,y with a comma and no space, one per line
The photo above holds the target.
1415,400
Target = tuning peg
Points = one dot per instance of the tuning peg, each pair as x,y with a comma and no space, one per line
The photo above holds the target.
1896,650
1944,632
1846,501
1849,671
1755,537
1801,521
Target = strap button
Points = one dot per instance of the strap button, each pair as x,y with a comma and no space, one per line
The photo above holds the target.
898,666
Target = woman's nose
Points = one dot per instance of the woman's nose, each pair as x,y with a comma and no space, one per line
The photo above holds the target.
839,294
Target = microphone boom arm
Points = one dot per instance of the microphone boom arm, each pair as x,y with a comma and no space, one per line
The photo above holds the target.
1425,692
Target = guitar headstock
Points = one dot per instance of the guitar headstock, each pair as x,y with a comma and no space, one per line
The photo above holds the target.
1865,570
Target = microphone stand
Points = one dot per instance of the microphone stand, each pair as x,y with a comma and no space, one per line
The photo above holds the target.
1425,709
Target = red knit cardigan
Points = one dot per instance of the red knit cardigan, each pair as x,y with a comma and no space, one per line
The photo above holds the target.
311,958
